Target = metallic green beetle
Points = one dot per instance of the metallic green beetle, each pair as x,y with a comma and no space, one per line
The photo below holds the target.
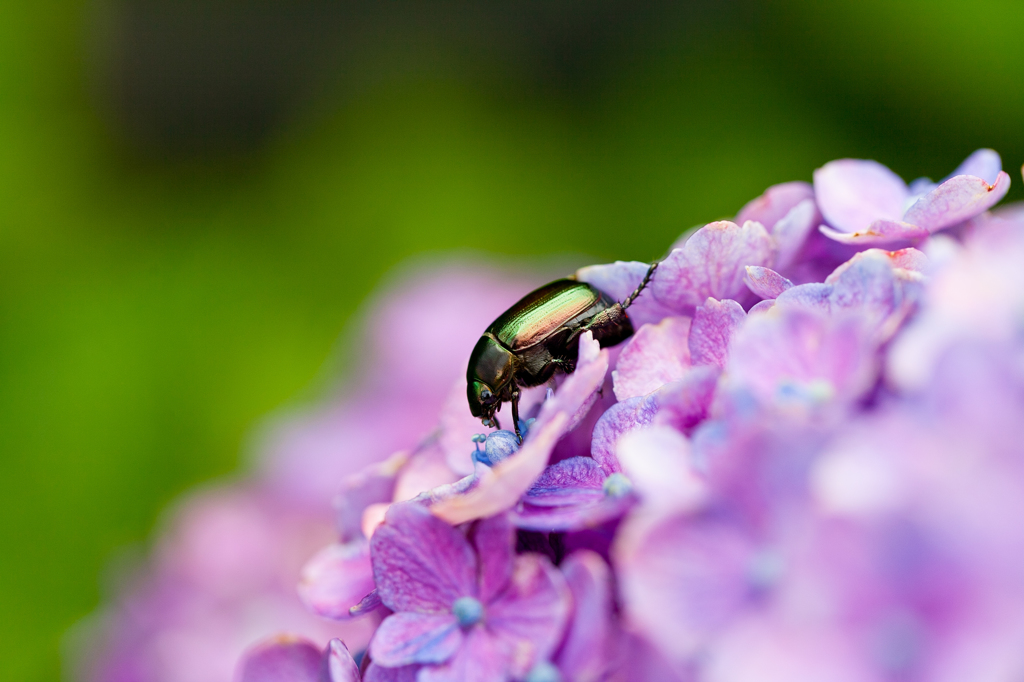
537,336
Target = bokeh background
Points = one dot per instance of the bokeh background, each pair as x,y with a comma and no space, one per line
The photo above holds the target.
196,195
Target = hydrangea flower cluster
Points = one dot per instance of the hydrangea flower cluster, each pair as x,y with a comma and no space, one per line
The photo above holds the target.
806,464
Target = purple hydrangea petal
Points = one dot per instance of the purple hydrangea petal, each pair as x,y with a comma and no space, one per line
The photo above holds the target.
282,659
880,232
982,163
761,307
798,357
852,194
685,403
657,461
420,563
339,664
621,418
585,652
619,280
371,602
576,479
336,579
765,282
956,200
711,264
683,581
372,485
530,616
656,355
776,202
405,638
494,540
483,658
378,673
713,327
792,232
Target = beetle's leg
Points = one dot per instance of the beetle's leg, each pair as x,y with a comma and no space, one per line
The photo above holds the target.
515,413
643,285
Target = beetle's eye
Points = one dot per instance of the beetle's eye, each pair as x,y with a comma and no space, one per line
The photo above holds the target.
485,393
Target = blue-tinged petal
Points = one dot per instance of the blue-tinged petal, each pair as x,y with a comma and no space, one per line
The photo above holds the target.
420,563
336,579
406,638
711,264
282,659
656,355
853,193
765,282
483,658
714,325
571,495
957,200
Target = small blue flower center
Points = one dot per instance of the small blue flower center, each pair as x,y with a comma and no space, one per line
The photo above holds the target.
545,671
617,485
468,611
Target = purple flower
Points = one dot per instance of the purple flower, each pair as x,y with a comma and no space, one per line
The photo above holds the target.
866,203
289,659
464,608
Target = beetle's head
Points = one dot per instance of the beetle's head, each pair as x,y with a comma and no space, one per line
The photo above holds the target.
490,371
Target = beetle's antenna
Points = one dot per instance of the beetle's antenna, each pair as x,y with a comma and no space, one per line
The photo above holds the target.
643,285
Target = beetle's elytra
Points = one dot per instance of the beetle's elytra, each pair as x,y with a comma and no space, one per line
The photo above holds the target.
538,336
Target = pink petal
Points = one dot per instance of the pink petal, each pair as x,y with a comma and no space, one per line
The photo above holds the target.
956,200
619,280
620,419
776,202
336,579
282,659
983,163
373,484
530,616
406,638
766,283
494,539
852,194
712,329
792,232
711,264
685,403
341,667
420,563
657,461
684,581
879,232
586,650
656,355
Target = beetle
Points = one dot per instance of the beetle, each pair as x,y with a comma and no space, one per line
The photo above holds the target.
538,336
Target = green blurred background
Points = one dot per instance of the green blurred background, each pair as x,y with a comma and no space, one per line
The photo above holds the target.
195,197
